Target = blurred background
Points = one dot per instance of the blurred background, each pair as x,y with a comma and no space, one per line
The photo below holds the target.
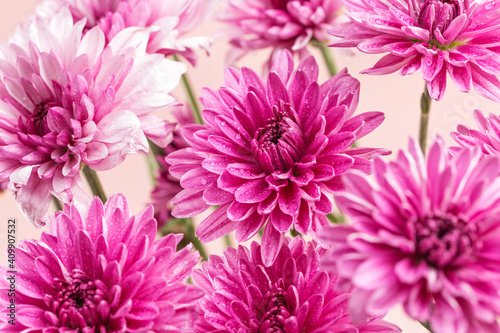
397,96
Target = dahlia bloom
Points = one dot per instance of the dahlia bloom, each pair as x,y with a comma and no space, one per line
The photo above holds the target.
271,152
102,270
293,295
67,100
278,24
170,19
439,36
168,186
487,136
424,234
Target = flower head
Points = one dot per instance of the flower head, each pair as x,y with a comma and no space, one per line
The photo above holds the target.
424,234
458,37
278,24
67,100
102,270
487,136
168,186
293,295
271,152
170,19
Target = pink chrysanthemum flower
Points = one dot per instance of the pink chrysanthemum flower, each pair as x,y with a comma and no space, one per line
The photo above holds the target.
170,19
438,36
424,234
67,100
102,271
487,136
271,152
279,24
293,295
168,186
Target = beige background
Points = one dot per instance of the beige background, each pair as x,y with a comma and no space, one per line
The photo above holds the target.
395,95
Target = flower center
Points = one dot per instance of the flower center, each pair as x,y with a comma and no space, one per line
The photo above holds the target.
444,241
271,133
437,15
279,143
37,122
273,320
76,303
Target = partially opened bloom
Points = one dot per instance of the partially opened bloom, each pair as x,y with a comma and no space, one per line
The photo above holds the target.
487,136
293,295
102,270
170,19
167,186
278,24
425,234
271,152
458,37
67,100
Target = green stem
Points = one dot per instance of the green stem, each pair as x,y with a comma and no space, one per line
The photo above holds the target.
192,100
425,106
185,227
152,167
335,218
94,183
157,150
151,160
294,233
427,326
227,240
195,240
327,57
57,204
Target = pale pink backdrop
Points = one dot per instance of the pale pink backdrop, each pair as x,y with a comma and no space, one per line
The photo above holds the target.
397,96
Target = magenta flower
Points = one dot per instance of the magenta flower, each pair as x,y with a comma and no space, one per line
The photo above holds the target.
271,152
424,234
168,186
278,24
170,20
487,136
102,271
67,100
293,295
439,36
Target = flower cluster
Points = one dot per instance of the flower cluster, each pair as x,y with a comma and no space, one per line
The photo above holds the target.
68,99
487,136
271,152
170,20
268,156
278,24
424,234
457,37
293,295
102,270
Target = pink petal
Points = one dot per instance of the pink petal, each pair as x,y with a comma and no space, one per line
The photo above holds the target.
388,64
215,225
272,241
253,191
